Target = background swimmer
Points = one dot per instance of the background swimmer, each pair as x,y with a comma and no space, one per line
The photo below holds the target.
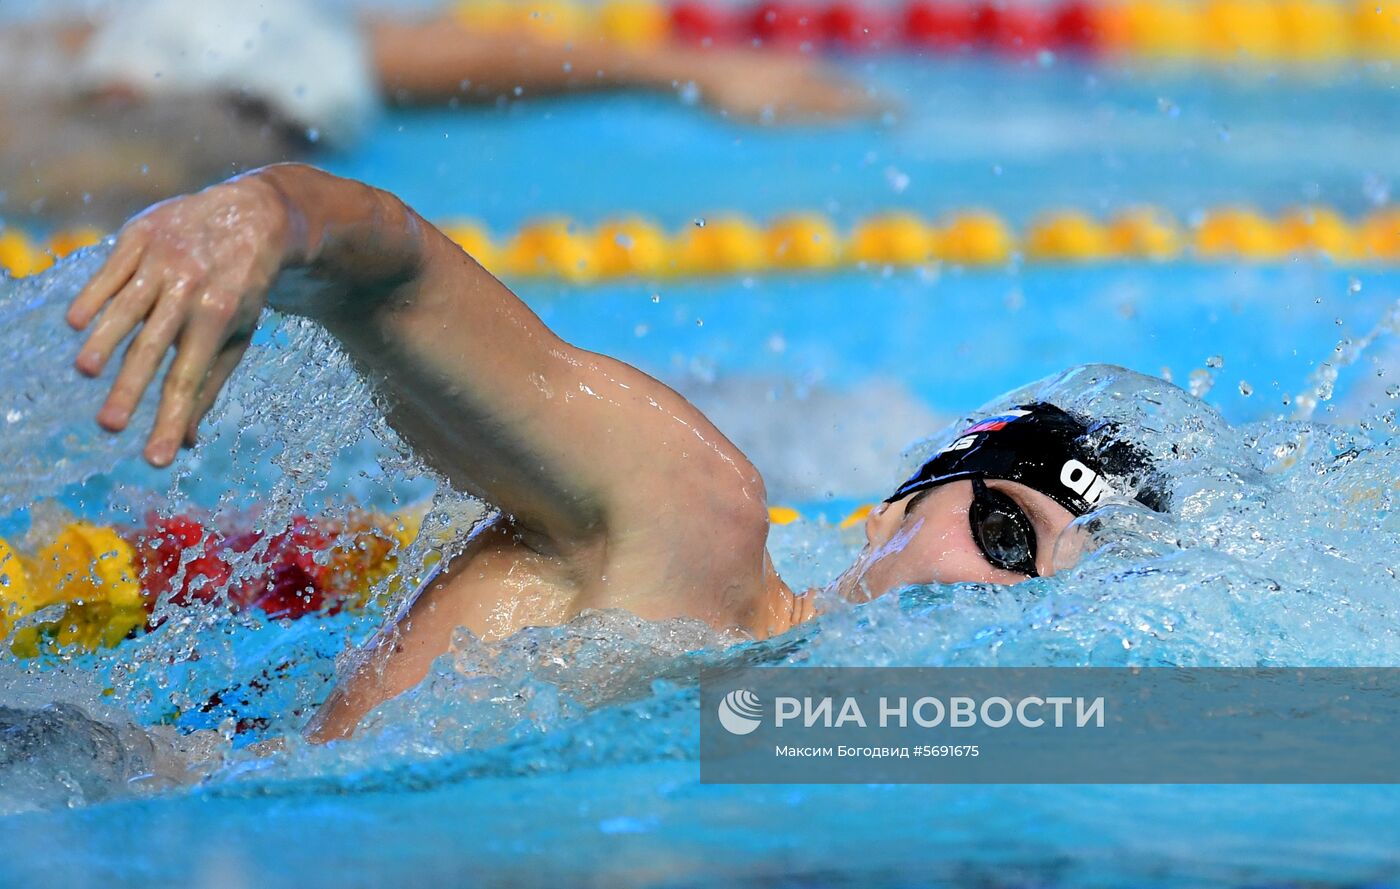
103,117
615,491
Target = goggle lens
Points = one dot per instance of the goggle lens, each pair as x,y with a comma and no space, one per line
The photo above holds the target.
1002,531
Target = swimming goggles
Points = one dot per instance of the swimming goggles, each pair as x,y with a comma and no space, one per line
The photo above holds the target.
1001,530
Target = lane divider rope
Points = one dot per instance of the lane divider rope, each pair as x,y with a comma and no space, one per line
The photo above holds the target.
631,246
1219,32
91,586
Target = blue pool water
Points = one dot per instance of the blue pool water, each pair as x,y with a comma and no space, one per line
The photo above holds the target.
505,768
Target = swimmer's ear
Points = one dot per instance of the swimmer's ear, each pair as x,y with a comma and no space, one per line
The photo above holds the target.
883,521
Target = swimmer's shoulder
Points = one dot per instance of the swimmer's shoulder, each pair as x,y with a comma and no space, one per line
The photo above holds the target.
697,544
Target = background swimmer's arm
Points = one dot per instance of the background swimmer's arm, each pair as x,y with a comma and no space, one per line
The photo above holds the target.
441,60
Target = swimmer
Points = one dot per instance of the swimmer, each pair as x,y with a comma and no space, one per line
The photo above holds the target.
102,117
613,491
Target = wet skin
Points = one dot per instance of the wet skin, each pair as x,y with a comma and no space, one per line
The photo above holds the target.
614,491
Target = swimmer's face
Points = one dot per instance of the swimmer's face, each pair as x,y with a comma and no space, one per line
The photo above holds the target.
927,538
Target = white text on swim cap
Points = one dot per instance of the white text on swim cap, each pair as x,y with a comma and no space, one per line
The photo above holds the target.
961,444
1084,481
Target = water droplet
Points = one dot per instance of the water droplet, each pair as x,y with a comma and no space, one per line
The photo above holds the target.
656,297
1215,361
1245,389
1354,286
1376,189
699,222
897,179
1199,383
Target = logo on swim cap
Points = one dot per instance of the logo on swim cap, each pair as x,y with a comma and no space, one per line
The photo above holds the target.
992,424
740,712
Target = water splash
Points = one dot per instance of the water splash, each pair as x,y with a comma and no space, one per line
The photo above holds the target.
1279,549
296,432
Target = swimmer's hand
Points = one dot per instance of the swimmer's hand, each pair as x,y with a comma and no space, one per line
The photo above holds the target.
191,273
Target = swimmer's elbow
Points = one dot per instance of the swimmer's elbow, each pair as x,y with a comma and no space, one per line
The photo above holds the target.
744,508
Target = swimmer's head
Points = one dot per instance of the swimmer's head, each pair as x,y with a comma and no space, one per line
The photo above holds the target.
994,504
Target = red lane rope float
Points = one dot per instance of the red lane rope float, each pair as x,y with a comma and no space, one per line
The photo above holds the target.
921,24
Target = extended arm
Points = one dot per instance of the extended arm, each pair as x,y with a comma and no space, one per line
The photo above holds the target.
577,447
439,60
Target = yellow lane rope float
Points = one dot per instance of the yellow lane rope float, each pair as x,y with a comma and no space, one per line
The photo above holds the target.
1303,33
631,246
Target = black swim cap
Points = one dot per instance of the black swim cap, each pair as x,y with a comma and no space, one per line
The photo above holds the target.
1044,448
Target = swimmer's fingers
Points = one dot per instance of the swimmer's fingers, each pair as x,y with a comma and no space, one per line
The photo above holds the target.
827,97
111,278
200,341
219,373
143,358
124,312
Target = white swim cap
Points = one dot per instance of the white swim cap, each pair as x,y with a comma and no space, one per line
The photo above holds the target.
306,63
